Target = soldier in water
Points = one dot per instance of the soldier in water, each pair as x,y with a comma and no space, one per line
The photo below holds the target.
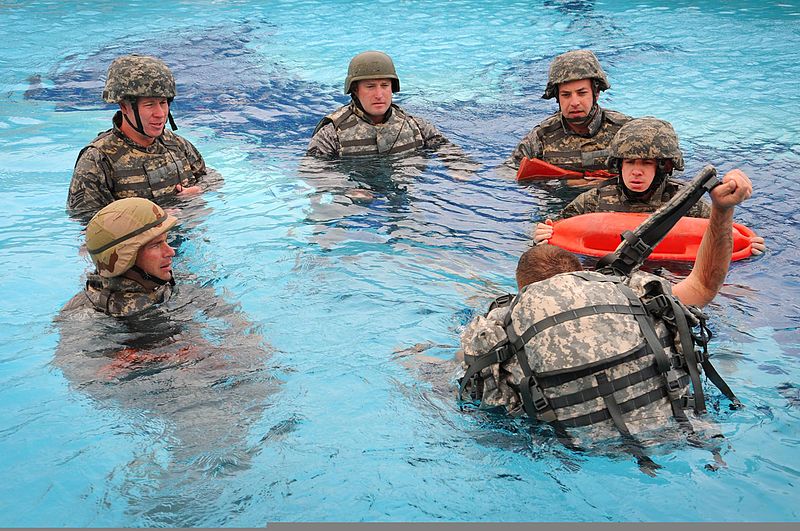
577,136
138,156
136,338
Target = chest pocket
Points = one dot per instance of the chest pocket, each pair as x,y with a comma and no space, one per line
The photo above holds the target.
164,173
594,159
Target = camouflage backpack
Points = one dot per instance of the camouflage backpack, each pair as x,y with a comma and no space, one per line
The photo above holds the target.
589,349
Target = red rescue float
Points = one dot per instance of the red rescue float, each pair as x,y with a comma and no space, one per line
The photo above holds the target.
598,234
537,169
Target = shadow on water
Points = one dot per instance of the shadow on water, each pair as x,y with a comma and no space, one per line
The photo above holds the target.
194,365
235,93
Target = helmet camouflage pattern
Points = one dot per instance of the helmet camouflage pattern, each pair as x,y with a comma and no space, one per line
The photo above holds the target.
645,138
138,76
371,65
572,66
117,232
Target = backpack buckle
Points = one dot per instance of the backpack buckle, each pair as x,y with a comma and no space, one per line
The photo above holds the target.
687,402
673,384
658,304
503,352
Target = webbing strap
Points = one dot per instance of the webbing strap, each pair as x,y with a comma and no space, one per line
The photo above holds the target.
649,332
629,405
632,445
687,349
635,353
617,384
569,315
475,364
717,380
606,390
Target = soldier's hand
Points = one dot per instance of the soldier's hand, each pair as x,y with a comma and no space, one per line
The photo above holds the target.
735,188
757,245
185,191
543,232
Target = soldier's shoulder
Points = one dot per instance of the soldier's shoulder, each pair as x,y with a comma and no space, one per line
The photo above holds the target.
550,123
172,138
330,121
103,138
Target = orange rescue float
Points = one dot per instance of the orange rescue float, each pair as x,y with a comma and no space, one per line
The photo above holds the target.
598,234
537,169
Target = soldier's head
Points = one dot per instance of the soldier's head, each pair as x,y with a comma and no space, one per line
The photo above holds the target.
576,80
371,81
144,88
645,151
541,262
130,236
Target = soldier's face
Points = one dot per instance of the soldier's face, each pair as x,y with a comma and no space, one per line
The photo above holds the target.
375,96
153,113
575,98
155,258
638,174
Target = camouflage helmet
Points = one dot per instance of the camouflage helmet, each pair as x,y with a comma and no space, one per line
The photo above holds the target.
117,232
371,65
572,66
645,138
133,76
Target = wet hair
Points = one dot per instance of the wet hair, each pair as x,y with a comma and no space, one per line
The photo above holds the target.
541,262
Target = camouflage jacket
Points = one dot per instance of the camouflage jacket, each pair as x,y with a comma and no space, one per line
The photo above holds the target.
570,344
117,296
113,167
611,198
554,142
348,132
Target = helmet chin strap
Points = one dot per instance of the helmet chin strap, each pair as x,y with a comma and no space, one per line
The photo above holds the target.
585,121
138,127
361,108
150,278
645,195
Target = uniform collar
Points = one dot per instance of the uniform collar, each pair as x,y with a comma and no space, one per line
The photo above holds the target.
594,125
152,148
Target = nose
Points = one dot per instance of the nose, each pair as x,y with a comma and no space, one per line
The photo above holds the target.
168,250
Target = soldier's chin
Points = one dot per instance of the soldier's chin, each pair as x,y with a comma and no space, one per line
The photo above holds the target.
155,131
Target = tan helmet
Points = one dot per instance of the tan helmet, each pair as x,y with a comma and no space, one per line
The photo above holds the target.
138,76
116,233
645,138
371,65
572,66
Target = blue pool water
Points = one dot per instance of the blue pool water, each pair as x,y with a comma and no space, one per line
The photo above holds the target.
349,425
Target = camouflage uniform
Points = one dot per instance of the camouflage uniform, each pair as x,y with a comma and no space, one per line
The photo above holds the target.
349,132
117,296
553,140
639,139
573,344
611,198
114,167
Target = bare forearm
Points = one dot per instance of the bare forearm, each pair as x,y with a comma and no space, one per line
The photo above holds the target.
713,261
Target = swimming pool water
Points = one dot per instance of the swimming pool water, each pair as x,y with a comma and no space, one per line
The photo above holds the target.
357,428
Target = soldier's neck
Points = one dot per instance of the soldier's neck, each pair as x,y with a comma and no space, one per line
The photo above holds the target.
148,285
132,134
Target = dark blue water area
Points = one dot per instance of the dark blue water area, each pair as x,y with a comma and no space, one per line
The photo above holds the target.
348,291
